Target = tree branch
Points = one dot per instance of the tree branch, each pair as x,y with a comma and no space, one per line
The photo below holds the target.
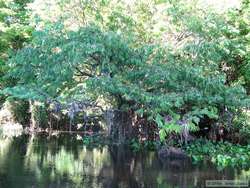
83,73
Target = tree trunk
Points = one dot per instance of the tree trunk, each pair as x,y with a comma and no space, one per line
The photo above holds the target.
33,123
119,125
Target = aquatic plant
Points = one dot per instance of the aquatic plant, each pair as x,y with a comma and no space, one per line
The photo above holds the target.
94,140
223,154
137,145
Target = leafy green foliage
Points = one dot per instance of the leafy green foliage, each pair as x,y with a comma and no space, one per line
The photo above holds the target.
40,115
19,110
241,125
223,154
14,32
137,145
115,55
217,40
144,21
62,65
94,141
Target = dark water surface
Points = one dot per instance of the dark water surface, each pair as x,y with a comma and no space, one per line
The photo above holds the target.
64,162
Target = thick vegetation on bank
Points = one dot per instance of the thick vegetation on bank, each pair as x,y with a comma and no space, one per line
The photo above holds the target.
175,66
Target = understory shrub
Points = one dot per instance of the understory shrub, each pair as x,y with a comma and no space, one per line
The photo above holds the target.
223,154
241,126
19,110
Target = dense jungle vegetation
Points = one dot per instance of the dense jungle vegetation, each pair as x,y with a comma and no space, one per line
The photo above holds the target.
179,70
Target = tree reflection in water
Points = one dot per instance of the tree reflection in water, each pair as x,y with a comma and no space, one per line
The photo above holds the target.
41,161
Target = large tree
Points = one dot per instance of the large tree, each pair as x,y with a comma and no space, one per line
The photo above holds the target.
14,32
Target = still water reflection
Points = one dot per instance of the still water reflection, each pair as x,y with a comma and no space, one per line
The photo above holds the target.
63,161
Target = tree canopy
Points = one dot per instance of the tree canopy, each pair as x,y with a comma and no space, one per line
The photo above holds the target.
202,69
